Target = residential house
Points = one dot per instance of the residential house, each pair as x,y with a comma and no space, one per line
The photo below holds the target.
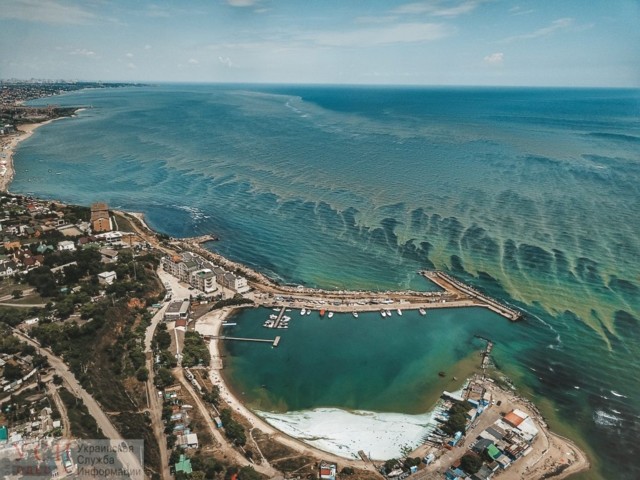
66,245
184,465
109,255
107,278
8,269
327,470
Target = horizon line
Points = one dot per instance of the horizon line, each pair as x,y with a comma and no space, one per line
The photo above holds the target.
326,84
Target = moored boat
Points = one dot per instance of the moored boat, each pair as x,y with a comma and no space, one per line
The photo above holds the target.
355,314
399,311
303,311
422,311
330,314
322,312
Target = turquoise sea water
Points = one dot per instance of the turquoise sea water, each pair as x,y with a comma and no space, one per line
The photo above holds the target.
533,195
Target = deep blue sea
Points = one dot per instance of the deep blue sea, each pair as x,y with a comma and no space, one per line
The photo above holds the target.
533,195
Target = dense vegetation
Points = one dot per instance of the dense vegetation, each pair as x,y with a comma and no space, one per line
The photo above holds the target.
83,425
232,429
195,351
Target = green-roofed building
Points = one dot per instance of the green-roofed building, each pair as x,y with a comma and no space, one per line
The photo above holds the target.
493,451
184,465
4,434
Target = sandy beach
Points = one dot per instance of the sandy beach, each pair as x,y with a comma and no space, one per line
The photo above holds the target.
210,324
8,144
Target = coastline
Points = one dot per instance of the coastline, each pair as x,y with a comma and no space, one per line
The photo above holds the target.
554,456
9,147
213,323
255,421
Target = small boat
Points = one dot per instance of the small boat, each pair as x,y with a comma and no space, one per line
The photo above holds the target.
383,313
309,312
422,311
276,309
355,314
303,311
388,312
399,312
322,312
273,317
330,314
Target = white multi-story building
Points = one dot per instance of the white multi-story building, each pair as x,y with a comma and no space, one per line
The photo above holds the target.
202,274
204,280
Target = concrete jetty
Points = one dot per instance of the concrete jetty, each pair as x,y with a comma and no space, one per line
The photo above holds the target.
201,239
463,291
276,324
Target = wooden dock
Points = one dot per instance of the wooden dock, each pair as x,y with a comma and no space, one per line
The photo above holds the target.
275,342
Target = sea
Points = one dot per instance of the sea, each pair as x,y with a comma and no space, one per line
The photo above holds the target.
530,194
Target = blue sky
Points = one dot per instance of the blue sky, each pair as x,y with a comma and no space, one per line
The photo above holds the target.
428,42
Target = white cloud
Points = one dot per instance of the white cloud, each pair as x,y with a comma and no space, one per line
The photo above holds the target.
129,55
371,37
226,61
439,8
494,59
45,12
82,52
193,61
242,3
518,10
560,24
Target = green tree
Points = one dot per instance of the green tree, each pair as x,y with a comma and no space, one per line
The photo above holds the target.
17,293
390,465
12,372
142,374
471,463
164,378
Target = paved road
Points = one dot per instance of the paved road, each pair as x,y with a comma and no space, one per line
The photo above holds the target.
127,459
23,305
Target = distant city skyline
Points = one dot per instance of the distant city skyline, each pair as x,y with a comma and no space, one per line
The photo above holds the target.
428,42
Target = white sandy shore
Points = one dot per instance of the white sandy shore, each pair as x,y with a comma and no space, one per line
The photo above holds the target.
380,435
